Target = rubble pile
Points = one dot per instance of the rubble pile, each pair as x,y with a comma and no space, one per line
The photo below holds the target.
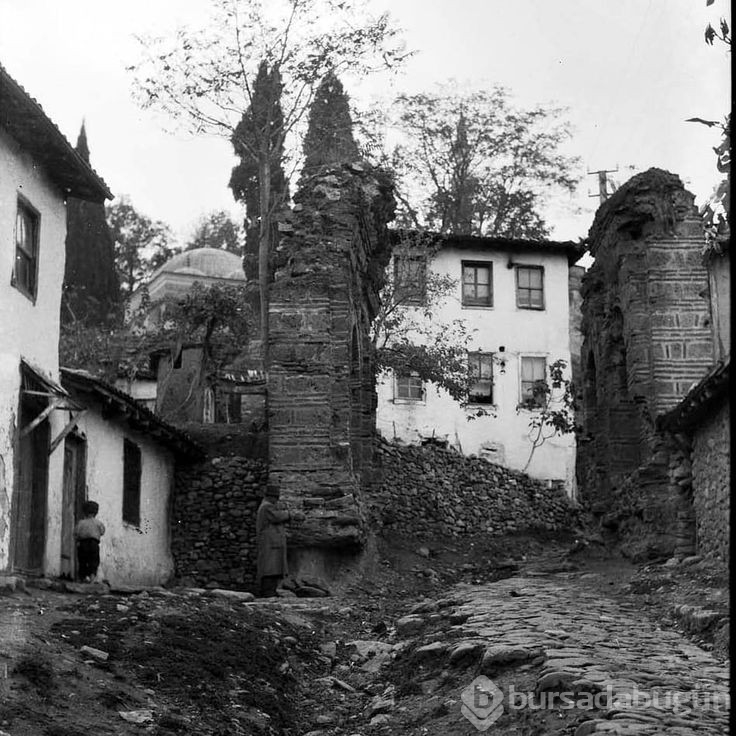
430,489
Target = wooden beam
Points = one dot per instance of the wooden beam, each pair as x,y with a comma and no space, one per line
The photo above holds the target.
47,394
69,427
30,427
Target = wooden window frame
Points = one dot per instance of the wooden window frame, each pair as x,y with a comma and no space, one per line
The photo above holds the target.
479,398
529,289
476,301
30,289
408,399
529,400
410,285
132,466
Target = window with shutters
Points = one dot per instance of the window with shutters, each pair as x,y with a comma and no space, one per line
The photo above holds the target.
131,483
25,268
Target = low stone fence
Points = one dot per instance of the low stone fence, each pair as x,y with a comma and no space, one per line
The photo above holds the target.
213,521
429,489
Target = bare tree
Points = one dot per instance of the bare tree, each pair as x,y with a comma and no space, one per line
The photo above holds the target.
204,77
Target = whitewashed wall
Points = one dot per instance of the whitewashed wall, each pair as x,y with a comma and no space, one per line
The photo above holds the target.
27,329
129,555
504,437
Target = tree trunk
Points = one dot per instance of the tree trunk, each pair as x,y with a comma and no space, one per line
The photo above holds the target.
264,247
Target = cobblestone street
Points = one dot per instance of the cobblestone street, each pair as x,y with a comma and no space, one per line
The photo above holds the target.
572,640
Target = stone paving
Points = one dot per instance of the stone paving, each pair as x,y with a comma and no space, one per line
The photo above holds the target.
648,680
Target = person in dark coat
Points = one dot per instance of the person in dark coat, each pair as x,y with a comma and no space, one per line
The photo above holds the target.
271,522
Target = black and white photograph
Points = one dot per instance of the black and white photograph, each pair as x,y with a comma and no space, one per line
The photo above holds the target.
364,367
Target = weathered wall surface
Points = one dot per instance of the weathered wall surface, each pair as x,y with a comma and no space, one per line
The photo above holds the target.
180,390
329,269
427,490
575,297
28,328
502,435
719,273
647,339
129,555
213,521
711,473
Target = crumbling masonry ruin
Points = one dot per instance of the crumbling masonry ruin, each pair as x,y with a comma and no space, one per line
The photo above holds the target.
646,339
329,269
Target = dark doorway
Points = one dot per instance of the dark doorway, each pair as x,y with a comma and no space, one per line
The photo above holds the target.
74,494
29,523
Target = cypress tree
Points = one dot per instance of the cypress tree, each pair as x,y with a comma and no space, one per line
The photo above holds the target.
258,180
329,139
91,292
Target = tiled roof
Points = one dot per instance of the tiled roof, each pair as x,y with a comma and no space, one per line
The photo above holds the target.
573,251
137,415
24,119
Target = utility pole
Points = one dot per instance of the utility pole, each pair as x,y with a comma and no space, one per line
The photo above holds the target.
603,192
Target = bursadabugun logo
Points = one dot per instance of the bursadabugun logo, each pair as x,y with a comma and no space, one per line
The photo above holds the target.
482,703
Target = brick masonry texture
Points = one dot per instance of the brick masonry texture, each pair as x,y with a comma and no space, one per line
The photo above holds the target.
329,269
213,521
646,339
429,490
711,471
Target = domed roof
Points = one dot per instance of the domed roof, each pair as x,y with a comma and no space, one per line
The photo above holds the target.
211,262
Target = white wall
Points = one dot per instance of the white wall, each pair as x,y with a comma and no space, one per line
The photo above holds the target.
128,554
143,390
503,438
27,330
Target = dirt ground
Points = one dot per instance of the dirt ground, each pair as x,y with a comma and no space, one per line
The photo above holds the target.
180,662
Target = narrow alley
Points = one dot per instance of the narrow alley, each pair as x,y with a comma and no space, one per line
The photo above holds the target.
557,641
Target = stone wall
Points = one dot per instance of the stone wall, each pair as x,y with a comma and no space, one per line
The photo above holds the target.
329,268
711,473
213,521
429,490
646,340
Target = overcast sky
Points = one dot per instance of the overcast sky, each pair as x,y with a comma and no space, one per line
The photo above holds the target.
630,72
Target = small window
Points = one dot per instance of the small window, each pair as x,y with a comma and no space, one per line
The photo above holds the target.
409,388
410,279
533,372
234,408
25,270
530,287
477,284
481,373
131,483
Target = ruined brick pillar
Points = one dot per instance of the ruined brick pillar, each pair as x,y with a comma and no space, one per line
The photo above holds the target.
646,340
329,268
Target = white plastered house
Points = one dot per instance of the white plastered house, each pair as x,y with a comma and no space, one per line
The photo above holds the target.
513,297
38,170
58,444
122,456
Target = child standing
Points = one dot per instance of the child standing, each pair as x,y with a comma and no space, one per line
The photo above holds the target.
87,533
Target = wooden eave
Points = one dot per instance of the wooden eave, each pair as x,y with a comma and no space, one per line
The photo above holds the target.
572,251
25,121
119,405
